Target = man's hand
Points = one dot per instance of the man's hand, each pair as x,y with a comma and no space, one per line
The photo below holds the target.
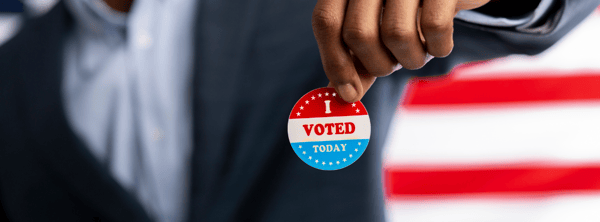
360,40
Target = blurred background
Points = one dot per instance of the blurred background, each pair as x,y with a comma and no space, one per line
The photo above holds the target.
12,13
511,139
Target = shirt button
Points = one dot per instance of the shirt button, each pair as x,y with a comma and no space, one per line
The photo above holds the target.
144,41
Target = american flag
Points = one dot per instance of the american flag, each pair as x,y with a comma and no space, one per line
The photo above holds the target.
512,139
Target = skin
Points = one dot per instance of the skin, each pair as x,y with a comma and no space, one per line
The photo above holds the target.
360,40
119,5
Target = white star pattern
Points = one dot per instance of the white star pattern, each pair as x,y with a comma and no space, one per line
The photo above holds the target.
353,104
326,94
319,94
301,107
330,163
359,143
355,150
313,97
306,101
298,114
303,152
357,110
333,94
300,146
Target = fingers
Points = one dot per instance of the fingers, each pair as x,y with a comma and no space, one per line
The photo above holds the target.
355,48
327,20
366,80
400,33
361,34
437,26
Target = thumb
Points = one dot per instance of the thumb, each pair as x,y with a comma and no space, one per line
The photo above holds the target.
347,92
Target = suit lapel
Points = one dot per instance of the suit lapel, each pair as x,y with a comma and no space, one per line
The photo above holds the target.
54,140
225,30
254,59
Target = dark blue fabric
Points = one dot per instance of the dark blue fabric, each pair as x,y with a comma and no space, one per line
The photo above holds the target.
11,6
254,59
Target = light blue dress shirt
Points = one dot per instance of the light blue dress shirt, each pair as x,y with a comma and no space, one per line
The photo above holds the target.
126,87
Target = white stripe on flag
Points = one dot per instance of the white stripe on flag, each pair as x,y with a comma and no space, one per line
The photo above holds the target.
580,208
568,132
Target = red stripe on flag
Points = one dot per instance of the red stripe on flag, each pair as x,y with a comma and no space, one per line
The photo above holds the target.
508,180
449,91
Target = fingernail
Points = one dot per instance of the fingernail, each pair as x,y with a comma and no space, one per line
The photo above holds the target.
347,92
429,58
397,67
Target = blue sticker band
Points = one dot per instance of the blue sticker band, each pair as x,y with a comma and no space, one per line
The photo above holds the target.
330,155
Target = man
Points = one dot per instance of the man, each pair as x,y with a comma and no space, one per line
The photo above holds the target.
176,110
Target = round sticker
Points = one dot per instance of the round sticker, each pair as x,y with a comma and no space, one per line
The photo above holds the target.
326,132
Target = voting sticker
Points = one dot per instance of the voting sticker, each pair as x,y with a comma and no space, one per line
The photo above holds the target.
326,132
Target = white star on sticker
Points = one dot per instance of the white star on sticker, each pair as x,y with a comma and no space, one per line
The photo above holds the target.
303,152
350,155
313,97
298,114
316,161
338,162
330,163
357,111
344,159
301,107
353,104
310,157
359,143
319,94
306,101
356,150
333,94
300,146
323,163
326,94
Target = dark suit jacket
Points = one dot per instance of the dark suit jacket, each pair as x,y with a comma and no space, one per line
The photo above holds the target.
254,59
